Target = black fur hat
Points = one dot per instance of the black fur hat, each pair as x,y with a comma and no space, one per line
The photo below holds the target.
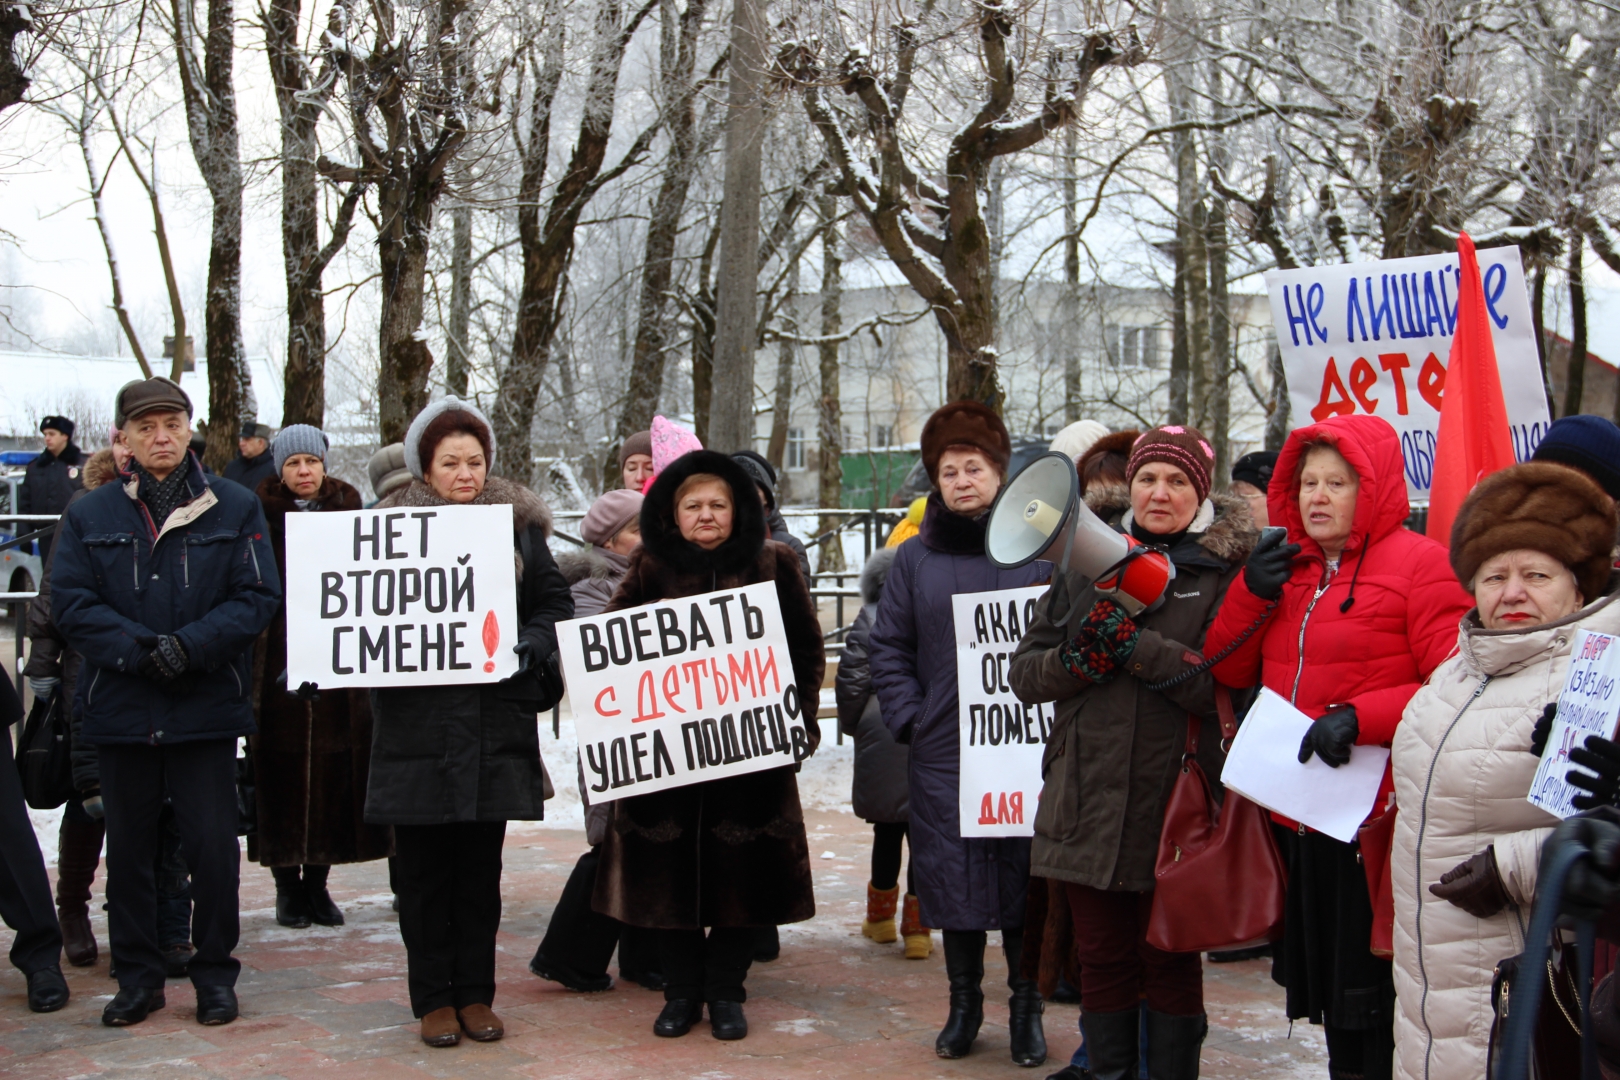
662,537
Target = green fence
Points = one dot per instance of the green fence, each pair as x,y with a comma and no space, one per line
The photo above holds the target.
872,478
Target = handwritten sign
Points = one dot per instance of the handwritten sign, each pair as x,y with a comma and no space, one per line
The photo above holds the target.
680,691
1375,337
1001,737
1588,705
407,597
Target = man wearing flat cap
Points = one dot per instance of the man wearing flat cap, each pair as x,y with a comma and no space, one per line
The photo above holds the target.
162,582
253,463
51,479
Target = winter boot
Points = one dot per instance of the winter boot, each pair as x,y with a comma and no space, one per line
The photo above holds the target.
880,903
919,939
78,855
1173,1043
964,963
1112,1040
292,902
1024,1008
322,910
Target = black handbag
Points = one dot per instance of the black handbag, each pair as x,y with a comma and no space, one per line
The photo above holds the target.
247,796
45,754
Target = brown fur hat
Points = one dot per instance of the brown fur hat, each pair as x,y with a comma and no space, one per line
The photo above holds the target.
1107,458
1543,507
965,423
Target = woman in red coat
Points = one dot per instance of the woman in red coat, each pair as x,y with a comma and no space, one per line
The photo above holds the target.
1355,611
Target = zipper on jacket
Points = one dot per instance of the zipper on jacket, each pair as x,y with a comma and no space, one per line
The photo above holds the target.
90,694
1417,871
185,563
1299,670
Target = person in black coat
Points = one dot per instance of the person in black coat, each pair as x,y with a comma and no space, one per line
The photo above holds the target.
450,765
764,477
254,462
50,480
25,891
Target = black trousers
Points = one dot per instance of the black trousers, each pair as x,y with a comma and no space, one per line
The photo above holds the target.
579,937
199,779
448,879
25,891
706,968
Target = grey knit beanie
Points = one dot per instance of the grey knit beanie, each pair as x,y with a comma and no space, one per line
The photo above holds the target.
419,426
298,439
387,469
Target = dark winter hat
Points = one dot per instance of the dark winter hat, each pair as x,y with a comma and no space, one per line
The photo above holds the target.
1173,444
965,423
639,443
142,396
1106,452
1255,468
1588,443
759,467
608,516
251,430
57,423
1539,506
298,439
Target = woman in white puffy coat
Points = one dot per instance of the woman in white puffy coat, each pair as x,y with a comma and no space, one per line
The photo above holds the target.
1532,544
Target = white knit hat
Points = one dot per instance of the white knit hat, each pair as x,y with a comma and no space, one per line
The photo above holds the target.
450,403
1077,438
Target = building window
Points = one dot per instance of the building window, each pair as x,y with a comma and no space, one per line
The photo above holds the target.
1131,346
883,435
796,443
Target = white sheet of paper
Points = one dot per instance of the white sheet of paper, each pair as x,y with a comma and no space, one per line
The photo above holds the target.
1263,766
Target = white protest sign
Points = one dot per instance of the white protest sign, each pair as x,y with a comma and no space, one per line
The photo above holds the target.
1002,738
1588,705
679,691
408,597
1374,338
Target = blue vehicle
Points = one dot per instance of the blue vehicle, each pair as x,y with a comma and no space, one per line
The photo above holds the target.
21,568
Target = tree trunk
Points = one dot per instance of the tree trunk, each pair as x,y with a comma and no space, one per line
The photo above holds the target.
1069,306
405,207
1179,352
782,400
731,414
1220,350
1538,325
1277,420
830,419
703,308
1190,225
1575,378
14,81
457,363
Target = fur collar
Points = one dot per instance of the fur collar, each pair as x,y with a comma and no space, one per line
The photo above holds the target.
594,564
99,469
950,532
661,539
527,508
333,494
875,573
1223,527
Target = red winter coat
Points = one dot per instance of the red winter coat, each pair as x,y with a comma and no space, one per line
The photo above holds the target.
1407,607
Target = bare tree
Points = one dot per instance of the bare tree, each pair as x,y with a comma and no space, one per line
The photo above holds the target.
15,20
830,419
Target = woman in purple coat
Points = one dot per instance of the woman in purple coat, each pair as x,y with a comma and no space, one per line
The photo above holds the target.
966,887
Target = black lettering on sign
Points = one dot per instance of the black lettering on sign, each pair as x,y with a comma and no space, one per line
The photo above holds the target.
725,614
431,578
461,589
364,538
423,517
779,730
394,534
590,644
410,587
456,645
711,741
596,758
730,748
688,730
998,629
436,645
618,643
378,606
337,650
359,577
402,647
640,633
981,629
801,743
671,642
621,764
661,760
698,630
636,754
373,650
975,725
753,619
332,589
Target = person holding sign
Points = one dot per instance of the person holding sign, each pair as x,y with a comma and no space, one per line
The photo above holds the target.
451,764
1345,620
1532,543
728,855
1117,742
964,886
312,754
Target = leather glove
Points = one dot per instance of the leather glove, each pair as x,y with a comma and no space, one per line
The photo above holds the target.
525,655
165,663
1602,757
1105,641
43,688
1593,885
1543,728
1331,737
307,691
1270,565
1474,885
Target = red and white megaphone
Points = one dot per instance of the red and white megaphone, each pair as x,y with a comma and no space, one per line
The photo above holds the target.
1039,515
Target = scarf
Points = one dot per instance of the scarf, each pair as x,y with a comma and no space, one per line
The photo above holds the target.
160,496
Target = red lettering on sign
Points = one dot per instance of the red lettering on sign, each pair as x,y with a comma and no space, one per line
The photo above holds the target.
1327,405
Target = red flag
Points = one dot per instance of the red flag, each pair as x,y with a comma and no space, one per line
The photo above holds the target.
1474,440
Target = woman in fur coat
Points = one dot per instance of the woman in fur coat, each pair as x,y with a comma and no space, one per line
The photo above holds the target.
450,765
727,854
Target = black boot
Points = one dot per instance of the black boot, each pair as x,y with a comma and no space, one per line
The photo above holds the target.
964,963
1173,1043
1112,1040
1024,1008
78,855
292,902
321,908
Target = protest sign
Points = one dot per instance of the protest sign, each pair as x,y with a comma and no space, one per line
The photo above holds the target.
1587,705
419,597
1374,338
1002,738
679,691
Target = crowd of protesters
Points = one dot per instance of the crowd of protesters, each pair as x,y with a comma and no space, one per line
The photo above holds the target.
161,630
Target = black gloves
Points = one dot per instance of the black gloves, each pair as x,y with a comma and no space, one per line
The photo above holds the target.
1593,885
307,691
166,662
525,655
1331,737
1603,758
1270,565
1474,885
1543,728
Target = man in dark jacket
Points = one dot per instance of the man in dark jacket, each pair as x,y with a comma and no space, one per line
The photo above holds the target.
253,462
764,477
51,479
162,582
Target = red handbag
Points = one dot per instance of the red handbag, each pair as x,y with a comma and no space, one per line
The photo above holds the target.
1374,843
1219,881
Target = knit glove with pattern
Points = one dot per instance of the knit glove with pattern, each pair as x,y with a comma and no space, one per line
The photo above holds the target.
1104,643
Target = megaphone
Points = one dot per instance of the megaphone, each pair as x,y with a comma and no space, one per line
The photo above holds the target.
1040,515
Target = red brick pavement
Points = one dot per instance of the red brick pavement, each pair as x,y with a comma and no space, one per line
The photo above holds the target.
331,1003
